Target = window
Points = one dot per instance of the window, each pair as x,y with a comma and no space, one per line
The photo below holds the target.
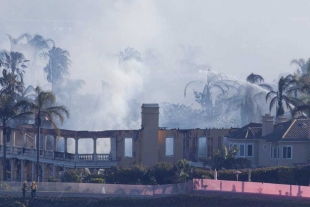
169,146
241,150
128,147
287,152
230,145
202,147
274,152
250,150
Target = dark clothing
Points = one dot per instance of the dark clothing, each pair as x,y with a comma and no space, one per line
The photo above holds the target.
33,193
33,189
25,186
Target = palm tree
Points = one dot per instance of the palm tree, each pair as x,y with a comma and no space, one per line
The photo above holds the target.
58,65
15,46
302,64
36,42
44,108
14,63
10,83
302,110
247,98
39,43
214,81
286,86
28,93
11,111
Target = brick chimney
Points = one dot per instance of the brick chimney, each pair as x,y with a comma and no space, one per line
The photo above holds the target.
267,124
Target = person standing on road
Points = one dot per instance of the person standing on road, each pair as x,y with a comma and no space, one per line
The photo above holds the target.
25,186
33,189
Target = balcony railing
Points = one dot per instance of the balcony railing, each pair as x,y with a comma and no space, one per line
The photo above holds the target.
49,154
86,157
103,157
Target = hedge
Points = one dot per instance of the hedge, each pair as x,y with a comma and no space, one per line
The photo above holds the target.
167,173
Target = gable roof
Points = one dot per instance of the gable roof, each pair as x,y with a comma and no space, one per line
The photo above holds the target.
249,131
293,130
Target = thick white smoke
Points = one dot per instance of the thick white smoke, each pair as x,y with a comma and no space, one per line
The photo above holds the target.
176,39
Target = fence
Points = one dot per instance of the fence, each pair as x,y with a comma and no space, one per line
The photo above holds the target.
96,188
250,187
197,185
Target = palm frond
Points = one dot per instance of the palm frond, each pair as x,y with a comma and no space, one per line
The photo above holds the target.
197,81
269,94
254,78
272,103
265,86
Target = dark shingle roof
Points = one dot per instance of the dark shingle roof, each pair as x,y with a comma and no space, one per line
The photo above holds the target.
250,131
293,130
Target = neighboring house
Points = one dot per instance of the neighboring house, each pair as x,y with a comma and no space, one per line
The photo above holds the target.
273,144
246,139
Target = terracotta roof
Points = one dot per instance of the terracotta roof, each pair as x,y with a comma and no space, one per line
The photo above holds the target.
250,131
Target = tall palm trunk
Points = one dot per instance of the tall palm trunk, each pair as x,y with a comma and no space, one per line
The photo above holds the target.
4,149
38,146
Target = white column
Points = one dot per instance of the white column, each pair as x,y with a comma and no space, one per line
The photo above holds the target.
32,171
13,138
95,149
76,157
54,146
12,141
43,172
22,164
12,169
44,142
34,145
65,147
113,149
1,138
54,170
44,145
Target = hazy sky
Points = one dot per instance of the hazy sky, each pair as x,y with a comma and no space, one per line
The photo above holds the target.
234,37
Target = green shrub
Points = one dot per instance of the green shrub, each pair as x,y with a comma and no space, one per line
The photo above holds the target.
163,173
97,180
302,175
265,175
71,176
286,175
52,179
202,173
